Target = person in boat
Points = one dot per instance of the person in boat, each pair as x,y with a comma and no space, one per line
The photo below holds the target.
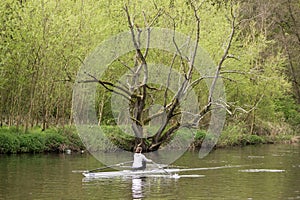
139,160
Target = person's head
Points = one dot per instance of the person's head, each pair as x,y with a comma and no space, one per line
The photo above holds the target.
138,150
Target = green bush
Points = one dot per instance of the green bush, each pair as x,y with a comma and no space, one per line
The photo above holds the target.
59,139
200,135
54,142
74,142
290,109
13,130
34,140
251,139
231,135
9,143
32,143
118,137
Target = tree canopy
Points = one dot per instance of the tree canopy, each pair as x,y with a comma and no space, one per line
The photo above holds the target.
254,45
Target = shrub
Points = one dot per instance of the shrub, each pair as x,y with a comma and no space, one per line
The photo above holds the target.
251,139
200,135
290,109
231,135
32,143
13,140
9,143
118,137
54,142
73,141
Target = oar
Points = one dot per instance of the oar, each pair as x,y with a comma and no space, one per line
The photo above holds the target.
161,168
101,168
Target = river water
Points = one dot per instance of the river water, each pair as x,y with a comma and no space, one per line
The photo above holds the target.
266,172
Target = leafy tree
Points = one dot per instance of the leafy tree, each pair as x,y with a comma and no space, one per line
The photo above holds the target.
43,43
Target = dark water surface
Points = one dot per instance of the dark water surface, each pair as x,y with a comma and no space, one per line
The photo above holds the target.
50,176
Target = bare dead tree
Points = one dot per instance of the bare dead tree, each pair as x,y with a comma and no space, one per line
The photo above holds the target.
137,91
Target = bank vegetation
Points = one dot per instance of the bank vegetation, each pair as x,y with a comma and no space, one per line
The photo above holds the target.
255,45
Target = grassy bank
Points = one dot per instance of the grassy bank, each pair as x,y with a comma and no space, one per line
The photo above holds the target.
237,136
13,140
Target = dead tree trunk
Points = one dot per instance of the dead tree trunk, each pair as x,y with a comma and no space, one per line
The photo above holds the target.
138,90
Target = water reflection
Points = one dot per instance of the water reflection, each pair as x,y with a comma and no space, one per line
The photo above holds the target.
138,184
50,177
137,187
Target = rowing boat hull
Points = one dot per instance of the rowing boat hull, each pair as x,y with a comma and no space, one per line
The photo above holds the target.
127,173
170,172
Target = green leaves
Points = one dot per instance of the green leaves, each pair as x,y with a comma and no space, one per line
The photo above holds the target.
8,143
43,43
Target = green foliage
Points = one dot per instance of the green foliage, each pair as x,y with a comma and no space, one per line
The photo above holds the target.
290,110
54,142
234,135
32,143
230,136
35,140
200,135
117,137
43,43
247,139
71,138
9,143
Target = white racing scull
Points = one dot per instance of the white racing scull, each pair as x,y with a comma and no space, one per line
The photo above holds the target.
172,173
160,172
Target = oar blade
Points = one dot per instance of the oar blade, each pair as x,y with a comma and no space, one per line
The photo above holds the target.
79,171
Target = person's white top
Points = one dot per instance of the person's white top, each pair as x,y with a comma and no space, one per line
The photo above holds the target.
138,160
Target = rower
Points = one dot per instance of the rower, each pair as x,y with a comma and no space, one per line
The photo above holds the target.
139,160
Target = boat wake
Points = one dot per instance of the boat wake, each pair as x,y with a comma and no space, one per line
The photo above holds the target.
261,170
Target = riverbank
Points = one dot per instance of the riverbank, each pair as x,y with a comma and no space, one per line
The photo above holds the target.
242,139
13,140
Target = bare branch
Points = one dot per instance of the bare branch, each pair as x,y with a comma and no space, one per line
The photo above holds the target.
164,137
150,118
197,81
198,22
107,86
294,20
148,42
139,55
141,89
233,72
151,88
250,110
168,81
233,57
125,65
207,108
213,85
182,89
159,12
